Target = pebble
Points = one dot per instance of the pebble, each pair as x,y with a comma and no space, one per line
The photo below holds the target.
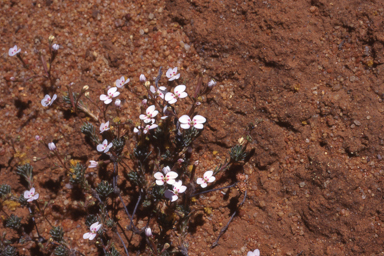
151,16
302,184
352,78
356,122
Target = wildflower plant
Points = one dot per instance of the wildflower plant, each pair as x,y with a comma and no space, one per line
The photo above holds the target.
156,165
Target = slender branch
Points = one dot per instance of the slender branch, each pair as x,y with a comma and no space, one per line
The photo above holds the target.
134,211
125,248
204,192
226,226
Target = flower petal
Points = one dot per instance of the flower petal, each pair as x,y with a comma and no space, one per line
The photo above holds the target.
26,194
87,235
152,89
169,194
199,181
150,109
112,90
103,97
35,197
143,117
100,147
204,184
169,72
185,126
159,176
180,88
108,101
208,174
160,182
199,119
182,189
172,175
211,179
183,95
169,96
92,236
184,119
54,97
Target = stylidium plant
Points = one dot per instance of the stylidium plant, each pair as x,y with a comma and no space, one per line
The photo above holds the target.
158,92
31,195
178,93
197,122
178,188
104,147
104,127
207,178
94,228
112,93
169,178
150,113
51,146
121,82
13,51
93,164
47,101
172,74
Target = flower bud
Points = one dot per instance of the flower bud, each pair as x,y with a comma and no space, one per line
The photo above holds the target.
196,163
55,47
211,83
142,78
51,38
86,94
147,83
148,232
144,102
37,137
118,103
51,146
180,160
198,103
85,87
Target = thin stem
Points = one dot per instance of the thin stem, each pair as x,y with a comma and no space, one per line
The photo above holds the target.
204,192
125,248
134,211
34,222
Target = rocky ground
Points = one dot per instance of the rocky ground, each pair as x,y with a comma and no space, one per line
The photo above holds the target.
305,76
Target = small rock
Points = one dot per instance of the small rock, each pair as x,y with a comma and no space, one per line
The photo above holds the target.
356,122
352,79
302,184
151,16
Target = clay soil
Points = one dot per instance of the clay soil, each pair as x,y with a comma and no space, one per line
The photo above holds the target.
307,77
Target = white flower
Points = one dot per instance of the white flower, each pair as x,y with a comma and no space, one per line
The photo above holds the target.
212,83
94,228
197,122
118,103
150,113
121,82
168,178
104,127
166,170
148,232
179,93
172,74
47,101
112,92
37,137
207,178
55,47
51,146
254,253
31,195
144,102
158,92
142,78
13,51
93,164
104,147
137,130
177,189
149,127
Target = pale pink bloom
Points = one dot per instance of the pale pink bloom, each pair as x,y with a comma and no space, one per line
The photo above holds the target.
55,47
94,228
30,195
149,127
158,92
137,130
93,164
47,101
168,178
104,147
112,93
142,78
172,74
207,178
254,253
13,51
121,82
212,83
178,93
150,113
180,160
166,170
37,137
51,146
104,127
197,122
177,189
144,102
148,232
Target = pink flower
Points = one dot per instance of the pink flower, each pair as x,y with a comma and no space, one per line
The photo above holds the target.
207,178
55,47
94,228
93,164
142,78
150,113
197,122
31,195
254,253
104,147
47,101
13,51
172,74
149,127
112,92
177,189
51,146
168,178
179,93
211,83
104,127
158,92
148,232
121,82
118,103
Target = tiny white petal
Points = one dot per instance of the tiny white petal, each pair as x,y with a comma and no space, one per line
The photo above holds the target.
185,126
199,119
184,119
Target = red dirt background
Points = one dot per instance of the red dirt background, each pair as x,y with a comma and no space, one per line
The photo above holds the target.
307,75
